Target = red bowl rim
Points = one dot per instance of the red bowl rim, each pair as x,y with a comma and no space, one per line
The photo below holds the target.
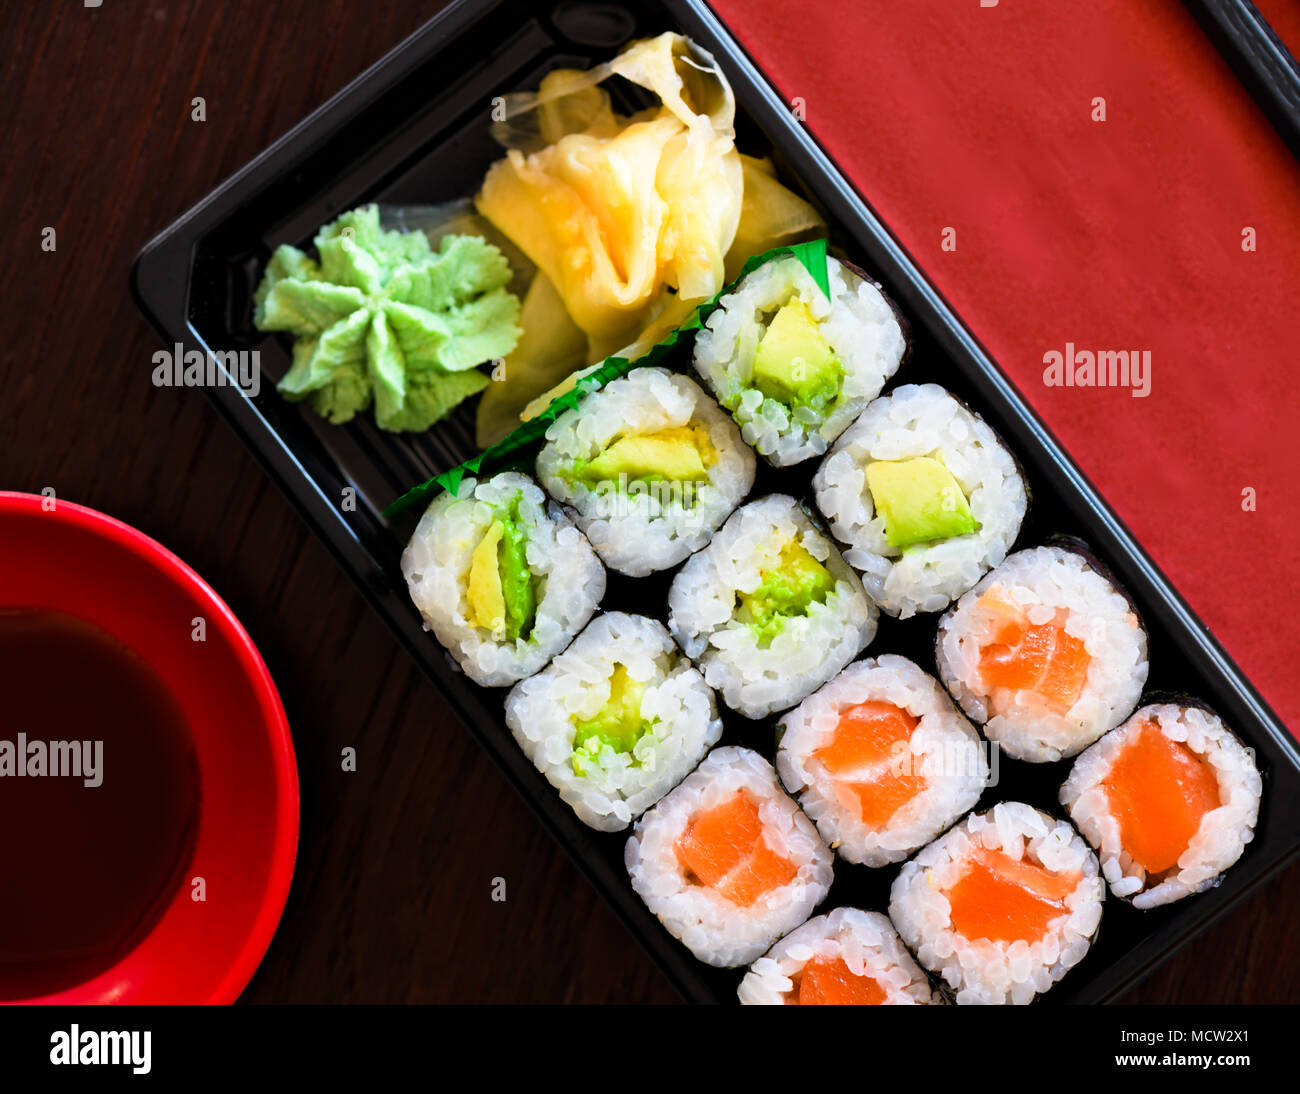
285,842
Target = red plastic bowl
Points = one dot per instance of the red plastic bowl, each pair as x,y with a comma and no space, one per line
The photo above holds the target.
79,561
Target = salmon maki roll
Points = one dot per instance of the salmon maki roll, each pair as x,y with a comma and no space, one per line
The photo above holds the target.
1045,653
727,861
881,760
1002,906
846,958
1169,800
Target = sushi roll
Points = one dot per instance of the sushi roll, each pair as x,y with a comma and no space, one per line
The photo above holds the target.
881,760
1002,906
845,958
924,495
1045,653
615,721
726,861
1169,801
769,610
792,366
502,579
649,466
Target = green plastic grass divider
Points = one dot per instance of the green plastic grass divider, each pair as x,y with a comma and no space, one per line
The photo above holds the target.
812,255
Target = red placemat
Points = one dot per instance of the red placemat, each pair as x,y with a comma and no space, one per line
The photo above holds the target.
1284,17
1119,234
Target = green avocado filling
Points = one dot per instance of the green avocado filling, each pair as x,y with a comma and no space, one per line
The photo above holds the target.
617,725
517,583
793,364
920,501
680,454
789,590
502,594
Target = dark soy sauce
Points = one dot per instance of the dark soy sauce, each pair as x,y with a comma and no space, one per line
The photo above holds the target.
86,871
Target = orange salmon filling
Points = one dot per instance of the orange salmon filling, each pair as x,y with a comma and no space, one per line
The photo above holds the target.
723,849
1041,658
863,756
1008,900
1158,790
829,982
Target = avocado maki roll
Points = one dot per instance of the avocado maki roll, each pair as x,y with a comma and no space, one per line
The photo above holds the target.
726,861
793,366
1045,653
924,495
615,721
649,466
769,610
501,577
1169,801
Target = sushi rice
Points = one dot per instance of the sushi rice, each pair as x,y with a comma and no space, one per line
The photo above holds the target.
727,861
876,795
921,423
857,323
608,783
759,671
568,578
640,523
848,956
1193,745
1043,603
1003,906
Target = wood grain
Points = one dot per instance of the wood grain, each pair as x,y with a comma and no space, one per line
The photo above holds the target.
391,898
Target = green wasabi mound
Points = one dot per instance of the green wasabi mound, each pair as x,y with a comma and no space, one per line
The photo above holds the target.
381,318
794,364
617,725
919,500
794,585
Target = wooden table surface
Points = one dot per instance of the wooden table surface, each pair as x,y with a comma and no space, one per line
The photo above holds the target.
390,901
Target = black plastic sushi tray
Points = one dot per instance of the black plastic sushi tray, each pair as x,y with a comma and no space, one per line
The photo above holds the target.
413,130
